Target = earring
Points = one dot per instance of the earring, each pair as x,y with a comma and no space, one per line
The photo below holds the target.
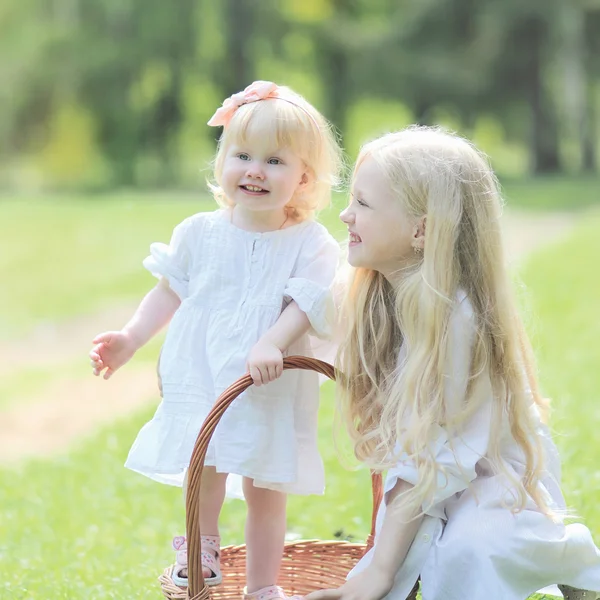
417,250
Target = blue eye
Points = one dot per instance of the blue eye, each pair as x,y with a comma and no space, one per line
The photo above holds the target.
243,156
274,161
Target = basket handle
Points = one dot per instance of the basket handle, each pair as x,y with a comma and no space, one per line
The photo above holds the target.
197,590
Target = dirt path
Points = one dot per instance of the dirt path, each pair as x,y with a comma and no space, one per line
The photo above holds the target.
68,410
54,344
527,232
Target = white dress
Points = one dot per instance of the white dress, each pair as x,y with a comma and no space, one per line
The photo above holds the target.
233,286
469,545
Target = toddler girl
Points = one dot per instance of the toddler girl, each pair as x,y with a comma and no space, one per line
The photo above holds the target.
243,286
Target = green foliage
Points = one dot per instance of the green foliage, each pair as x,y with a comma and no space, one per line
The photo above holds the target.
369,118
71,159
310,11
117,93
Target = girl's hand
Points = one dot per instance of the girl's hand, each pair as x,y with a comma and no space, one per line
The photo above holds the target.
265,362
370,584
112,350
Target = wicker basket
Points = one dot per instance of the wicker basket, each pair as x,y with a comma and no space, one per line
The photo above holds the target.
307,565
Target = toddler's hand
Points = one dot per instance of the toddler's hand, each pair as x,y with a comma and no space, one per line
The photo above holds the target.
265,362
111,351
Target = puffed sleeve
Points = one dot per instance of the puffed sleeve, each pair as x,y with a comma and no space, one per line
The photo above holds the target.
310,283
456,453
172,260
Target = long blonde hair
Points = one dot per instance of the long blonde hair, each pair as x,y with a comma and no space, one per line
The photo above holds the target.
445,178
296,125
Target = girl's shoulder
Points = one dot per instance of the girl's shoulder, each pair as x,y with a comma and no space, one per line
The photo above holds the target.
199,222
193,233
316,228
317,243
313,231
201,218
191,221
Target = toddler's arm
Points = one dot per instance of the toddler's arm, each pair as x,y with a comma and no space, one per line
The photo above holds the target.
265,361
113,349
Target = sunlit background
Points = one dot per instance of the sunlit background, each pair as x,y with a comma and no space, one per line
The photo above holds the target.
104,148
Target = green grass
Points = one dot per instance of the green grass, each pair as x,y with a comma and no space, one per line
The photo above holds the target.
564,302
552,192
81,526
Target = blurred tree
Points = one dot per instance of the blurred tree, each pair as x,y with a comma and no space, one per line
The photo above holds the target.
135,57
590,125
237,68
532,34
425,54
137,73
336,57
27,70
475,57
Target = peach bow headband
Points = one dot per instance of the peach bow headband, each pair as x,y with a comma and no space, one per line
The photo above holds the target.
259,90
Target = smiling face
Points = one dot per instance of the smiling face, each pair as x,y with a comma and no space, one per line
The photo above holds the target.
259,176
382,236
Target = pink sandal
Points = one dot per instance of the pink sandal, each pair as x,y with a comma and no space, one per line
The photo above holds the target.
211,550
272,592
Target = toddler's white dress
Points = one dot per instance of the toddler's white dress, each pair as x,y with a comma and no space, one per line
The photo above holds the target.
233,286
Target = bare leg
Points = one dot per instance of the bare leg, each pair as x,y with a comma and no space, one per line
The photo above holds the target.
265,535
212,496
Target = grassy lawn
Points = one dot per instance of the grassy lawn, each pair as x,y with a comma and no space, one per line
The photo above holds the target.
81,526
564,296
552,192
